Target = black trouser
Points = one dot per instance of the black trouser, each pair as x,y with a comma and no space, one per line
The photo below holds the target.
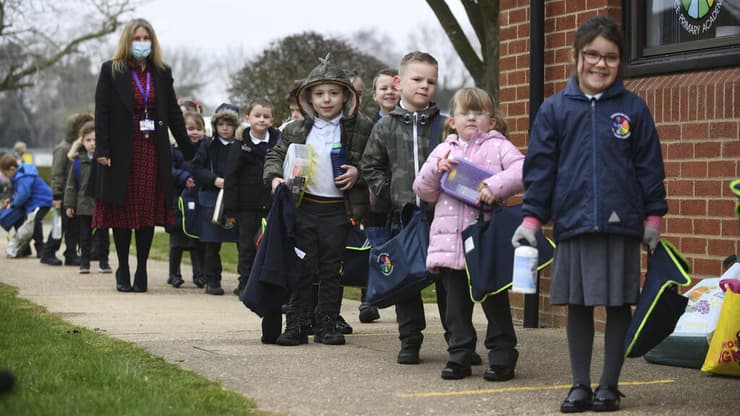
212,262
90,240
249,224
321,232
71,232
38,230
411,320
500,336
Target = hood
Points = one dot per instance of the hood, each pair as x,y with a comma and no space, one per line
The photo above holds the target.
26,169
325,72
226,115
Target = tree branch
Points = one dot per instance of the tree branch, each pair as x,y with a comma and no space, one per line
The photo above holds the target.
458,39
473,11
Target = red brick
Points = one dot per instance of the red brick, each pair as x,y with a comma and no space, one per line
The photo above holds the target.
567,22
669,132
507,63
678,225
507,94
708,188
693,245
722,169
522,93
719,246
733,110
708,149
555,40
507,33
728,111
679,151
518,15
711,101
679,188
723,130
692,207
695,130
683,101
730,226
731,149
706,268
705,226
673,205
519,46
522,62
672,169
722,208
693,170
555,7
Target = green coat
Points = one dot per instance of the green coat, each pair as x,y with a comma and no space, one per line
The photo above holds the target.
74,197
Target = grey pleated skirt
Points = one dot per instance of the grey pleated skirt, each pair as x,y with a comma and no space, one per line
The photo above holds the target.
596,269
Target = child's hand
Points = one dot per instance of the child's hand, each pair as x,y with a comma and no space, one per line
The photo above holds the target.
70,213
348,179
276,182
486,196
190,183
104,161
219,183
7,203
445,163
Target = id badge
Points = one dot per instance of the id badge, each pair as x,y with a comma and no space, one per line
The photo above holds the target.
146,125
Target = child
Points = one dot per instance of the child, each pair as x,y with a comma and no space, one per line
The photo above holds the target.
384,93
479,140
183,177
246,198
395,151
209,167
329,204
594,166
295,111
79,205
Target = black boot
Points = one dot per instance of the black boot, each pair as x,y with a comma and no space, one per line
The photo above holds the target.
294,332
325,330
214,287
175,278
140,281
123,280
196,259
240,288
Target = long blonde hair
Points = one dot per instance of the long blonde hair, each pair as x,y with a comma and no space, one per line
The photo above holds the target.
123,50
477,99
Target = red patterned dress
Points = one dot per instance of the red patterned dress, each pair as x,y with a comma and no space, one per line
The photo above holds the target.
144,205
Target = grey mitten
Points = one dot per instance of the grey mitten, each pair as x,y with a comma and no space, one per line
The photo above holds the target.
650,238
523,232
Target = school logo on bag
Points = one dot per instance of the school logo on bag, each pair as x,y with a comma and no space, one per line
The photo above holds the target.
386,265
620,125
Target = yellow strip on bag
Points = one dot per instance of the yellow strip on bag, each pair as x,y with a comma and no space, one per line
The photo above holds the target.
723,356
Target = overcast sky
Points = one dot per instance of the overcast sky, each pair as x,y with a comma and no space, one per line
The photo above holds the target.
214,26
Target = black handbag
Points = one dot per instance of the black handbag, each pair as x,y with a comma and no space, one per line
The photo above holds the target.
354,269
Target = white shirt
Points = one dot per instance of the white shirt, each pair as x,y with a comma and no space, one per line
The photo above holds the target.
321,137
256,140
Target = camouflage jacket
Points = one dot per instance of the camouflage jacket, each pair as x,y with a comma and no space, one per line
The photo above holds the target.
388,162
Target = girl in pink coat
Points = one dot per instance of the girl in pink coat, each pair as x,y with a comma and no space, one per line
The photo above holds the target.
480,140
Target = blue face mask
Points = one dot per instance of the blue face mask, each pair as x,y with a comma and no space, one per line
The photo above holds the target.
141,50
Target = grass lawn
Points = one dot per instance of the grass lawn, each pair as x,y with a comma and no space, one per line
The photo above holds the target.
229,259
61,369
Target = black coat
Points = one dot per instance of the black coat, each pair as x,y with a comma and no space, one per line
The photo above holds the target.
114,130
244,188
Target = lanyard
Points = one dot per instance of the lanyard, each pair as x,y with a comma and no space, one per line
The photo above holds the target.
143,92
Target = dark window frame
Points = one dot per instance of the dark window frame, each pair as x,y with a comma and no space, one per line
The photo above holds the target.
698,55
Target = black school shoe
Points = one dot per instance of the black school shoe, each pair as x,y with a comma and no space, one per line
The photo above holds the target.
579,399
175,280
368,313
342,326
326,332
455,371
606,399
501,372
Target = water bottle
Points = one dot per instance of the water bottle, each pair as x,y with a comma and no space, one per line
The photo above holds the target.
56,224
524,279
338,158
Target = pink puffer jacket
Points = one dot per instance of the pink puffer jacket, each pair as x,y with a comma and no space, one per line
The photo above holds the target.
491,151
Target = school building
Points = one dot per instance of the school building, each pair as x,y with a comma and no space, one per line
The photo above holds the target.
683,59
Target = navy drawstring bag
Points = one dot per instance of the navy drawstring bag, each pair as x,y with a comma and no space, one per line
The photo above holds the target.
187,212
660,304
489,255
397,268
354,269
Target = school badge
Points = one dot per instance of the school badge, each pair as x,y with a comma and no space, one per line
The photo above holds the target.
386,265
620,125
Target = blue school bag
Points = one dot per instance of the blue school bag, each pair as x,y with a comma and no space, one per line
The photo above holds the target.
186,215
397,268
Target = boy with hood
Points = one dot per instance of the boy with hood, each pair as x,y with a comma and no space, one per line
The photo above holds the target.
331,204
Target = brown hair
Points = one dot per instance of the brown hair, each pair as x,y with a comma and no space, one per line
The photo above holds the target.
594,27
261,101
76,122
87,128
123,50
416,56
7,162
477,99
197,117
385,71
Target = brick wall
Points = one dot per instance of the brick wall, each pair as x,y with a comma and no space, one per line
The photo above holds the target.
697,115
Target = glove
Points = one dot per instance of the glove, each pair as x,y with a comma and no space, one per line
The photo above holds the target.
651,233
526,232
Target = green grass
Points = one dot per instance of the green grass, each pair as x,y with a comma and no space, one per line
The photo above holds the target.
61,369
230,257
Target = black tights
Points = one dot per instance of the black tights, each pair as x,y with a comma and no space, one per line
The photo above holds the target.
580,329
122,238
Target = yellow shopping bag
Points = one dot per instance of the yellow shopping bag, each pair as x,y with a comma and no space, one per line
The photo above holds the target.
723,356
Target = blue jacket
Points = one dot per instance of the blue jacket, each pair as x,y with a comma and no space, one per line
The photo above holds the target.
31,191
594,166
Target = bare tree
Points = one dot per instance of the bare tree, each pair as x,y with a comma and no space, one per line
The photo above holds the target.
32,35
188,68
483,16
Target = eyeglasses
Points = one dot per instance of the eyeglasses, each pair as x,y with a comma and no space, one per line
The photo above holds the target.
473,113
593,58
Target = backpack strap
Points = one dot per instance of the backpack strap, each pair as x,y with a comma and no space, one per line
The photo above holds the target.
435,132
76,167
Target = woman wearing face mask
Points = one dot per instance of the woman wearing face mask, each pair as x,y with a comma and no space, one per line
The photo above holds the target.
135,105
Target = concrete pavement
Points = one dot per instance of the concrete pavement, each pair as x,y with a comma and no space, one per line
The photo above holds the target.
218,337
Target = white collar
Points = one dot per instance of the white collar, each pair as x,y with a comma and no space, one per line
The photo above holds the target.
321,123
257,140
224,141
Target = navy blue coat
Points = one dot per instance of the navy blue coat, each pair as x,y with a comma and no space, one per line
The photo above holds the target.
276,267
594,166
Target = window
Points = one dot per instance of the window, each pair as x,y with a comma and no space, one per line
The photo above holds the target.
681,35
